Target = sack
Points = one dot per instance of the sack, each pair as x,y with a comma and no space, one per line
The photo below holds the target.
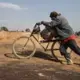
47,34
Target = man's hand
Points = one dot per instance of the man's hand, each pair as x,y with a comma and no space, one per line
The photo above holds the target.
39,23
42,22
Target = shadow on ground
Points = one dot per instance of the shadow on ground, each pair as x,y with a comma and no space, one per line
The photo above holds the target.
44,56
38,54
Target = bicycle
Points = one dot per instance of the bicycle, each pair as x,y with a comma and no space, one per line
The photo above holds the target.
24,47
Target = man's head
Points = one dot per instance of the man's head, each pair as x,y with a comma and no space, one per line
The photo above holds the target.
54,14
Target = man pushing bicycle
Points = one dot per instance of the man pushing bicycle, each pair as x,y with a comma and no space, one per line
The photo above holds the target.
65,34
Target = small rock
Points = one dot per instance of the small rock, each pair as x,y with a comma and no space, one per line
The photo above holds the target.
41,74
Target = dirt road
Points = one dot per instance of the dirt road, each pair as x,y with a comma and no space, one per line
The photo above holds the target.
40,67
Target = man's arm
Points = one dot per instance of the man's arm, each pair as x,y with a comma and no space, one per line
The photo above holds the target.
53,23
46,23
56,22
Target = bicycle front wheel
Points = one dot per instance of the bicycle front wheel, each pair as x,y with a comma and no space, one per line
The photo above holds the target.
23,47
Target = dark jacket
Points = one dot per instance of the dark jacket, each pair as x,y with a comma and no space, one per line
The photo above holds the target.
62,27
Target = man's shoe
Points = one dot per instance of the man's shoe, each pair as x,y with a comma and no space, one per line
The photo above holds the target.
69,62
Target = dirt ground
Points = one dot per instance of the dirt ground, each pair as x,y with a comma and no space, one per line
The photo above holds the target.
40,67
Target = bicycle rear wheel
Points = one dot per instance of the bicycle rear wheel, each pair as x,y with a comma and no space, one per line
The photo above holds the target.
55,49
23,47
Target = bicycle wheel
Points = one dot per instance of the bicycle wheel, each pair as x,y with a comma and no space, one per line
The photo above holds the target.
55,49
23,47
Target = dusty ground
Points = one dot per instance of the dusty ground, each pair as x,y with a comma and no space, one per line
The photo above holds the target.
40,67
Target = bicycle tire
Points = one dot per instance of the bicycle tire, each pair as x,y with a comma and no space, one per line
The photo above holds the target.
53,49
56,47
24,44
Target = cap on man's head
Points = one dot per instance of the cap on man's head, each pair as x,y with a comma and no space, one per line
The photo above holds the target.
53,14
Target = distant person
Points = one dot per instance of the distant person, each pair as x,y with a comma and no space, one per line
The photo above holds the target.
65,33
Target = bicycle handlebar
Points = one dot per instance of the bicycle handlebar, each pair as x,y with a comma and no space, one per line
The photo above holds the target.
36,25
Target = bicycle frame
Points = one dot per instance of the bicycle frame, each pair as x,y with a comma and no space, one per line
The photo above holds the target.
45,48
49,41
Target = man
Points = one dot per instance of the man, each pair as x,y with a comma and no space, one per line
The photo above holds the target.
65,33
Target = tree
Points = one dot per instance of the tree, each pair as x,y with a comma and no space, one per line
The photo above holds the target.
27,30
4,28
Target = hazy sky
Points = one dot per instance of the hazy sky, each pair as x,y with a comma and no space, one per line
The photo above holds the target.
22,14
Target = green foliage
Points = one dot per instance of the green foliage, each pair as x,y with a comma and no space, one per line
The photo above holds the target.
4,28
27,30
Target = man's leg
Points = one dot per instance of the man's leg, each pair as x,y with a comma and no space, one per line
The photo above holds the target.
63,50
73,45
